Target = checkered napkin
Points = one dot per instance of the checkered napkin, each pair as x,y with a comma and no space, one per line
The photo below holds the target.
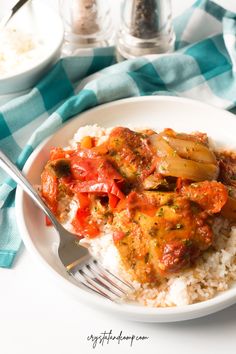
203,67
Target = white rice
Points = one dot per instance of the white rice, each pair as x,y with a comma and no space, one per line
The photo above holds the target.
214,272
18,51
90,130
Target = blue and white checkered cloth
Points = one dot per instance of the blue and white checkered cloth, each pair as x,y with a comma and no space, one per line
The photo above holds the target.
203,67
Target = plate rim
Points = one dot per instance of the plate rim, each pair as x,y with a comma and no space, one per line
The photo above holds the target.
134,312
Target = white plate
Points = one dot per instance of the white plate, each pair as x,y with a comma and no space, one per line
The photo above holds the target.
154,112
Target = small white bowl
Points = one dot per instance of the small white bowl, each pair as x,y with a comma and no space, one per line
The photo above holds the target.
40,20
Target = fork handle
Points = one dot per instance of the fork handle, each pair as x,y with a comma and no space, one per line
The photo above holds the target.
21,180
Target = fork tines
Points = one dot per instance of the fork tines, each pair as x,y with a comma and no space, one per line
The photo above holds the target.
100,280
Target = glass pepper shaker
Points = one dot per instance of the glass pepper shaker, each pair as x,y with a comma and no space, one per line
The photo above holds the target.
146,28
87,24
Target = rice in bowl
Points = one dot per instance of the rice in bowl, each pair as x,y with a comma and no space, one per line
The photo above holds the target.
19,51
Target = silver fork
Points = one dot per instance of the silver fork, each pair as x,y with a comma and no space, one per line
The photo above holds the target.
77,260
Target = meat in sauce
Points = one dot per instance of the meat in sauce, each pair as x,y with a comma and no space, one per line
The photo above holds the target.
161,222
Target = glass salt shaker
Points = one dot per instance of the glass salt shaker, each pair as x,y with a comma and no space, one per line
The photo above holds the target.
87,24
146,28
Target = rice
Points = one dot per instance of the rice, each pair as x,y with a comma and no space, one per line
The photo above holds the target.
213,272
18,51
90,130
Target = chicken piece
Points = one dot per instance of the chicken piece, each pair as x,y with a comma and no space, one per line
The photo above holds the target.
227,162
211,196
162,239
130,153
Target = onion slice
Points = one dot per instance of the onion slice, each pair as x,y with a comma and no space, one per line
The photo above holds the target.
191,150
188,169
171,164
160,146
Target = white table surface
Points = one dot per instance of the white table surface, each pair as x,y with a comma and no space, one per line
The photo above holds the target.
37,317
